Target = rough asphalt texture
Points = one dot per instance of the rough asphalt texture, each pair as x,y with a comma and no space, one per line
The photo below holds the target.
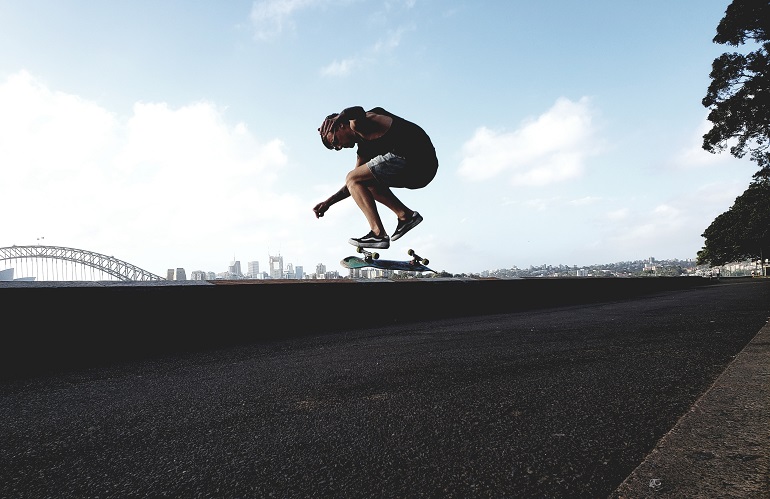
563,402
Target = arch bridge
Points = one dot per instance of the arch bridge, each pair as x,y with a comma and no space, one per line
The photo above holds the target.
58,263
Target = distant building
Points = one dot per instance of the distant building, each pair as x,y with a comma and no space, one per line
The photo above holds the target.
276,267
198,275
253,272
367,273
235,270
177,274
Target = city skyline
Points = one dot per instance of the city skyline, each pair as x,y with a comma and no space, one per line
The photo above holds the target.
56,260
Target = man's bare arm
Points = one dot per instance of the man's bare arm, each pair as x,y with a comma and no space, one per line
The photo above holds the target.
324,206
339,195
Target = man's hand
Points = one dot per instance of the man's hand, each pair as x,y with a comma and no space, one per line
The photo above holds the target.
320,209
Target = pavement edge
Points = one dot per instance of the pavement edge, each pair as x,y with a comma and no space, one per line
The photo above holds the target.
721,447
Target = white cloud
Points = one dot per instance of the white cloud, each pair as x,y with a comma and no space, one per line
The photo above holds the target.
271,17
541,204
618,215
193,142
694,156
340,68
390,42
408,4
549,149
160,178
661,223
49,135
367,57
674,225
585,201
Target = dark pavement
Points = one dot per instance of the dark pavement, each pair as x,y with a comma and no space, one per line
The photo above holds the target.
562,402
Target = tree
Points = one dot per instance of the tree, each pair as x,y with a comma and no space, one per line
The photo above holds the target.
739,102
743,231
739,94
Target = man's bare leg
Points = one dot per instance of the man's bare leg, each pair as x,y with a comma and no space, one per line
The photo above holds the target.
386,196
359,183
407,219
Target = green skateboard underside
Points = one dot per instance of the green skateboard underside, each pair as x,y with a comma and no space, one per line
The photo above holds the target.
354,262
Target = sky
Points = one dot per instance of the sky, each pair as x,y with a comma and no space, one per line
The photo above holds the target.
184,133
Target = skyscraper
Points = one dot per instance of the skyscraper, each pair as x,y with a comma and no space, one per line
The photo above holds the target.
276,267
253,270
177,274
235,269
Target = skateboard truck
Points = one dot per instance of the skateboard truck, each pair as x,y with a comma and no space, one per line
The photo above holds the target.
368,255
417,259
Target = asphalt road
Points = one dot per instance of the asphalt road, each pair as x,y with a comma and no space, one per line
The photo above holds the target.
560,402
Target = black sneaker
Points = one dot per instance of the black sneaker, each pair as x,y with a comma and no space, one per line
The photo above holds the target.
405,226
371,241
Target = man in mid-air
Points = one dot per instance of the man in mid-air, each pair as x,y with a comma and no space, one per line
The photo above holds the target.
392,152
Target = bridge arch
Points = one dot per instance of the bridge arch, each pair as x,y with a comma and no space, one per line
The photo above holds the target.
109,265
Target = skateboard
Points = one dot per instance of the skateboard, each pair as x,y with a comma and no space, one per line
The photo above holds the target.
371,259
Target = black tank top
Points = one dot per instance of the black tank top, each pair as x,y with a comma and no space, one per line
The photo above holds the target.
403,138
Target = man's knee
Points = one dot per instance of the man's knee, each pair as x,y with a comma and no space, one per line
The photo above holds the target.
351,180
359,176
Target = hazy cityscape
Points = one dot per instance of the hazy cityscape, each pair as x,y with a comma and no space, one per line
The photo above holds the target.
649,267
55,263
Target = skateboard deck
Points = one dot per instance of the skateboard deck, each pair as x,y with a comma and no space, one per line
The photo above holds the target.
371,259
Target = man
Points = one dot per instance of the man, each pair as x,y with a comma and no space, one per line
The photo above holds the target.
392,152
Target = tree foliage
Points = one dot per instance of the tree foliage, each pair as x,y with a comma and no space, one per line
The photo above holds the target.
743,231
739,94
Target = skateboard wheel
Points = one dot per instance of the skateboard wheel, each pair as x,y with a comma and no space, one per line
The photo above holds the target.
410,252
425,261
375,255
359,249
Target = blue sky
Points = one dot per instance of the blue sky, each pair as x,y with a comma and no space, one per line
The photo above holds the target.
183,134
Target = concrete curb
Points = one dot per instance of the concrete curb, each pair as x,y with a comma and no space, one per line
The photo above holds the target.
66,325
721,448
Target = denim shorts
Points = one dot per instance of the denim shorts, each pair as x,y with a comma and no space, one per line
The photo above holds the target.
395,171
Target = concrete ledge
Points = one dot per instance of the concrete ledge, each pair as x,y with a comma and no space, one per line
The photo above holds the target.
59,325
721,448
